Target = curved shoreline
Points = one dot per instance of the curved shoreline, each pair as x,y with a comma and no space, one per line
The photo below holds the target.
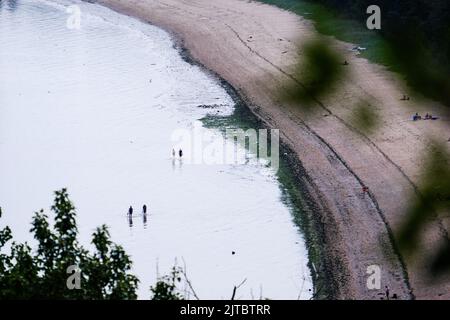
355,230
325,285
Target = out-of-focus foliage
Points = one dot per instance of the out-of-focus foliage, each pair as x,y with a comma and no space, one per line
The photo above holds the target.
434,201
43,274
365,118
320,71
414,38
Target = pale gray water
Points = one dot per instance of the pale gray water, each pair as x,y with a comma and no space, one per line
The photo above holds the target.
78,110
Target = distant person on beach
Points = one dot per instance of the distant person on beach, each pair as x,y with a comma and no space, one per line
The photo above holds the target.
144,209
387,292
416,117
180,153
173,153
430,117
130,211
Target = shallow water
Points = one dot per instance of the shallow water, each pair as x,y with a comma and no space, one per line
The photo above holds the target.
93,109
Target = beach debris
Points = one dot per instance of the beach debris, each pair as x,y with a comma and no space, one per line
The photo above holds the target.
358,49
210,106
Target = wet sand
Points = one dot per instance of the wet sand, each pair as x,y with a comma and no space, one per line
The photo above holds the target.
254,47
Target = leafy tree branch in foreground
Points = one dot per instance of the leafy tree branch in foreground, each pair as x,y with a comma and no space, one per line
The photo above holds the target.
43,274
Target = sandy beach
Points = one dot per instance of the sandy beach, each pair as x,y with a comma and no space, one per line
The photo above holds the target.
254,47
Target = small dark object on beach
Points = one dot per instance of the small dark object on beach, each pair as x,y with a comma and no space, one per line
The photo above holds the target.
144,209
130,211
233,253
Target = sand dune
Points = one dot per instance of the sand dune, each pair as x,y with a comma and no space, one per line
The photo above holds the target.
254,47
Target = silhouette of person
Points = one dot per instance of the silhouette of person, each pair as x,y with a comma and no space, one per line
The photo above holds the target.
144,209
173,153
130,211
180,153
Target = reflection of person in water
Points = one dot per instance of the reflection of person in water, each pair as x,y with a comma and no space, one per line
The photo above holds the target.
144,220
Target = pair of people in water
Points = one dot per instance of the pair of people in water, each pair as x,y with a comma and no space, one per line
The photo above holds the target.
180,153
130,210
